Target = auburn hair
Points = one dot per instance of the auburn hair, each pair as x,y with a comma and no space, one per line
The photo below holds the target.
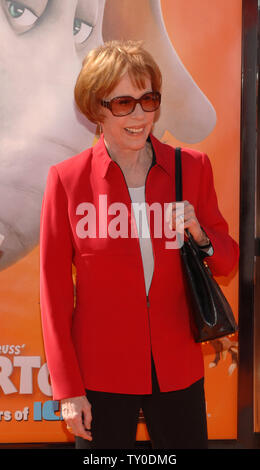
103,68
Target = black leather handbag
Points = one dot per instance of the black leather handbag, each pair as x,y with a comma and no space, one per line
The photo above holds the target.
211,314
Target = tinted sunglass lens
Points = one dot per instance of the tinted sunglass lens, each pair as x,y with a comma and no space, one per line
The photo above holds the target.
150,101
122,106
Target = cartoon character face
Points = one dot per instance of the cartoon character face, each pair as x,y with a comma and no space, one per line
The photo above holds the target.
43,43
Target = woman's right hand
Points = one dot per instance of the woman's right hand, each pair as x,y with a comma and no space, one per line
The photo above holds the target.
76,412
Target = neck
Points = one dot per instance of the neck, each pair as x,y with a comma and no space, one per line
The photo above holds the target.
129,159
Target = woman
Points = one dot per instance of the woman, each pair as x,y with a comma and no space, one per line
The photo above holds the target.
125,343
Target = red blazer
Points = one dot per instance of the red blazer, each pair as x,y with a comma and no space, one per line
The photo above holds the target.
103,340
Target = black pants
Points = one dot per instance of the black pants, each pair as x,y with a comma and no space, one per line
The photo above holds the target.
175,420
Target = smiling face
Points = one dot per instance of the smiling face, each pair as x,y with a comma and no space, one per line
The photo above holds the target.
128,132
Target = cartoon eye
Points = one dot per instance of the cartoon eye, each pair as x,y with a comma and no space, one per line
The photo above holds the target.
81,30
21,17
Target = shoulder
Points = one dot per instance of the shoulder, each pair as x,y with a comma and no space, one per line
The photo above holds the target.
196,165
195,158
195,155
192,158
74,164
187,153
63,177
70,172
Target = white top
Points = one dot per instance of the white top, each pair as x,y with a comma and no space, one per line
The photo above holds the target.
138,199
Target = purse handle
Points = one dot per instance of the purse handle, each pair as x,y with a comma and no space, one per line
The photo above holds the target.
178,174
178,180
178,196
178,189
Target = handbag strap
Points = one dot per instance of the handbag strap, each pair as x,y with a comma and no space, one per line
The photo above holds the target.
178,174
178,195
178,184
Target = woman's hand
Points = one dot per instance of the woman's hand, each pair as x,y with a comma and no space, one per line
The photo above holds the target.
189,222
76,413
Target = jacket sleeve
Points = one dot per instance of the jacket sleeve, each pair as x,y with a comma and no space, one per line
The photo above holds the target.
226,251
57,291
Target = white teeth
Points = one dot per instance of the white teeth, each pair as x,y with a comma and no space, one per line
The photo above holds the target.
133,130
2,237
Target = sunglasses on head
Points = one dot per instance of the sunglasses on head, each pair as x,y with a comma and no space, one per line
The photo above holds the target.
123,105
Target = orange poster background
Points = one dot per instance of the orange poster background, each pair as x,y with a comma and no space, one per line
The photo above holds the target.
207,37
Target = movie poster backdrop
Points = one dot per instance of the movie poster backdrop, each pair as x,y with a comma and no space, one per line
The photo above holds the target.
197,44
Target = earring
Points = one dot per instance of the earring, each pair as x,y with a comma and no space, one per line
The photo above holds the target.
99,129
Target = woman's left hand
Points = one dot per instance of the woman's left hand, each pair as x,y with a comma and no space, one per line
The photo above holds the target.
190,222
